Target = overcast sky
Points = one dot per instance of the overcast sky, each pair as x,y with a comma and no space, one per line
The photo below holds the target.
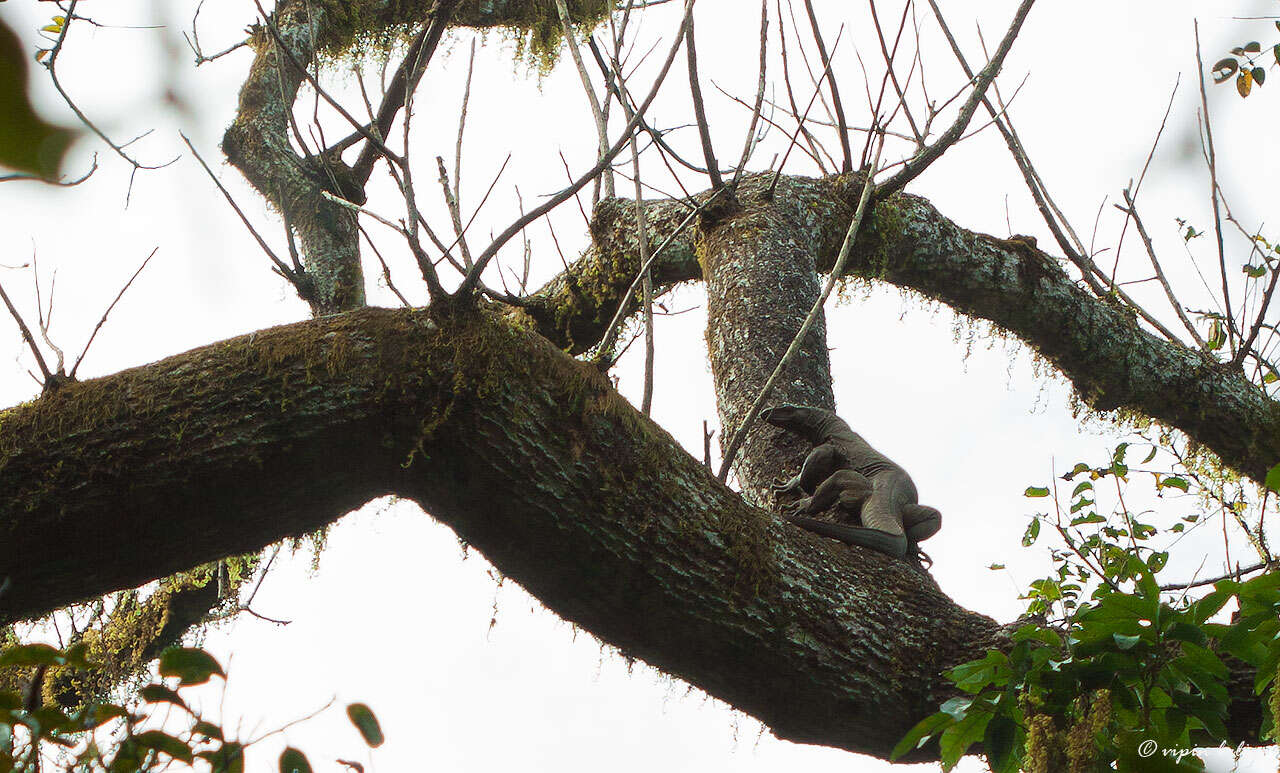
468,675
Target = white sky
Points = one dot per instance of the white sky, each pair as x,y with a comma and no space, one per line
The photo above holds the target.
395,617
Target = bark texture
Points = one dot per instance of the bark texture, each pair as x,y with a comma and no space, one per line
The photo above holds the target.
758,264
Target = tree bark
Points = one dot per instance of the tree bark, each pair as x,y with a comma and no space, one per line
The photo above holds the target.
112,482
758,264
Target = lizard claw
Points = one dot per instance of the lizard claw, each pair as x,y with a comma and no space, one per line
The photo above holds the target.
795,509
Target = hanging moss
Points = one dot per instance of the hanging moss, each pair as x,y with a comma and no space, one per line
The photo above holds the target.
360,26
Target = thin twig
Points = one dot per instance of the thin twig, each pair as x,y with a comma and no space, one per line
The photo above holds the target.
26,335
472,279
1213,197
928,155
295,278
597,113
699,108
841,123
1132,211
103,320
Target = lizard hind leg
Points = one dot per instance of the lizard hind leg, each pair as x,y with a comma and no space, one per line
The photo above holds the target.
921,522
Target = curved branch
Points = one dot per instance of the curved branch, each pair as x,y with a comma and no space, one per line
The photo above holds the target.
235,445
1113,362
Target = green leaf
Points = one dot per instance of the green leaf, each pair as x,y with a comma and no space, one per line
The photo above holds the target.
1273,478
1124,641
957,739
1032,533
1248,268
1084,485
100,714
294,761
27,143
165,743
957,707
190,665
1036,491
918,735
1174,481
362,717
1253,47
975,675
31,655
229,758
1204,659
158,693
208,730
1151,455
1276,50
998,743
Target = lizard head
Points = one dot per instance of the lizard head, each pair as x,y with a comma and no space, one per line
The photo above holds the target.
786,416
803,420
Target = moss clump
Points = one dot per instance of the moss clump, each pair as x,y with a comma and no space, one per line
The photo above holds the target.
360,26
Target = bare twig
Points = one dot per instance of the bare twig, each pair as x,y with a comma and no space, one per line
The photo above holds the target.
296,278
103,320
699,109
597,113
1213,197
931,153
817,90
472,279
26,335
841,124
748,144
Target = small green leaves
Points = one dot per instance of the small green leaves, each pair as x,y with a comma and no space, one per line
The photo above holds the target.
1036,491
191,666
362,717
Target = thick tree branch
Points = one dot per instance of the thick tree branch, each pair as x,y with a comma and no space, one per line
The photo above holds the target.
235,445
530,457
1110,358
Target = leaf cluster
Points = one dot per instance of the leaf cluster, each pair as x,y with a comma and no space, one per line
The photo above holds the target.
1243,63
1110,671
32,733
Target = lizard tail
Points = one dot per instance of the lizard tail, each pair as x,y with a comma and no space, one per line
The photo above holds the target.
890,544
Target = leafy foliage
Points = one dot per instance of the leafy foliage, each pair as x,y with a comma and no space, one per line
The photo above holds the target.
37,736
1109,670
1245,63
